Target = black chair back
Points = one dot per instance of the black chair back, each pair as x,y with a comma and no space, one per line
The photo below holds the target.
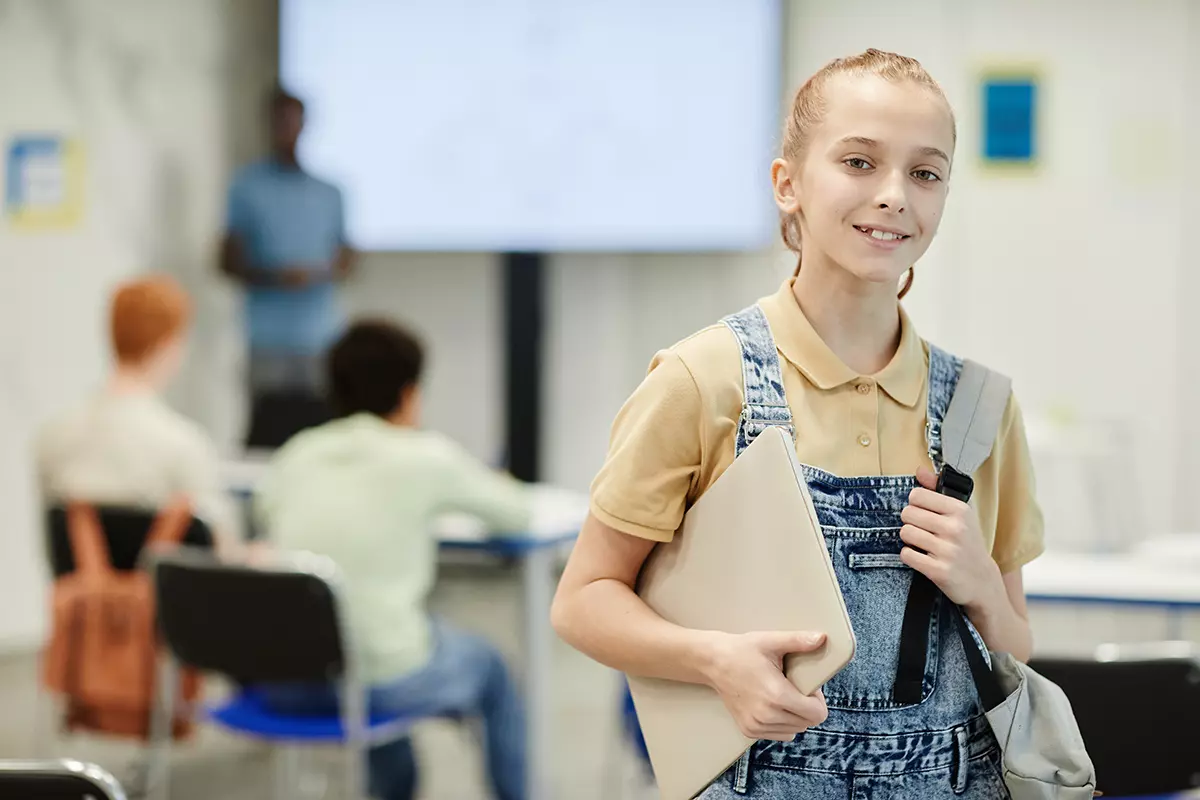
56,780
1139,718
125,530
269,625
278,415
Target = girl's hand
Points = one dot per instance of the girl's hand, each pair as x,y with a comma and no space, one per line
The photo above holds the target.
945,544
747,671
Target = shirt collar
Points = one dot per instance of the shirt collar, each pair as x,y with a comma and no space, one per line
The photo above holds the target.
903,378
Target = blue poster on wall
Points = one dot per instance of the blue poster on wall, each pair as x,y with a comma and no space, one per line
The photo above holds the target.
43,181
1009,122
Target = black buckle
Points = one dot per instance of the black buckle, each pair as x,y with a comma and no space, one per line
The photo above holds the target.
956,484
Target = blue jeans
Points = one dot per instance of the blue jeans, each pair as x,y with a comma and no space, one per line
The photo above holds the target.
466,676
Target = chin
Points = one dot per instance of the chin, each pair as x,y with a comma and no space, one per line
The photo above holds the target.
883,271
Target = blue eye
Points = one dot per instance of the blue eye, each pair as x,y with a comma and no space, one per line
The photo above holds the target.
926,176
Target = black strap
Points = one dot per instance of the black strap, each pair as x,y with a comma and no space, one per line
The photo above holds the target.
986,683
918,611
914,640
910,673
919,608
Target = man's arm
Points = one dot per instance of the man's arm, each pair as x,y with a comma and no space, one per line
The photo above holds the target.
235,261
344,261
235,265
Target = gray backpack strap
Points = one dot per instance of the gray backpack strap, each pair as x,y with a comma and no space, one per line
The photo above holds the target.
973,418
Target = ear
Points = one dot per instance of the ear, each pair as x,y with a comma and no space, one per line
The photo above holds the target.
785,179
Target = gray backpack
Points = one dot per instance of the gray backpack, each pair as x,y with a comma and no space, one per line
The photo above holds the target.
1043,752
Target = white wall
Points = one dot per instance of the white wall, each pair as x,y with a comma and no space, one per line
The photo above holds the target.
155,91
1066,279
1076,280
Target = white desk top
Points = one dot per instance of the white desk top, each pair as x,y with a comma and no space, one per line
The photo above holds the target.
558,514
1165,570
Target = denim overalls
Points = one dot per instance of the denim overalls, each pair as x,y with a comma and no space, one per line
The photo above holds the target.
871,746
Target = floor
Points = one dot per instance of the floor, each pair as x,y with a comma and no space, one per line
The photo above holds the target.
590,760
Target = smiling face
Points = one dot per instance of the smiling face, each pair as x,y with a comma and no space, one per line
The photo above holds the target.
869,188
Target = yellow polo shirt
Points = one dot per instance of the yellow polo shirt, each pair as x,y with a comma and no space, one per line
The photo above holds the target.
675,434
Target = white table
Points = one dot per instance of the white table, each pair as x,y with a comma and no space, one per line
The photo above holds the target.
557,516
1163,573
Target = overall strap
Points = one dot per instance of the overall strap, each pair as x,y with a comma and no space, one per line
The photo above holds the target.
764,403
944,371
966,407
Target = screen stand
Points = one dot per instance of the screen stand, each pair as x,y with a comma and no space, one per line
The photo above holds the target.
524,296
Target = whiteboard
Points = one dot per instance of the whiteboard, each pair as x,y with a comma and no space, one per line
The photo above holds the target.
541,125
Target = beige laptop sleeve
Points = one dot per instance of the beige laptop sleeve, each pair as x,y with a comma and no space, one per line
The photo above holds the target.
749,556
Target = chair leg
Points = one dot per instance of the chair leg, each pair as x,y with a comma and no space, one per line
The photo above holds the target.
355,753
312,782
45,710
356,744
284,782
157,771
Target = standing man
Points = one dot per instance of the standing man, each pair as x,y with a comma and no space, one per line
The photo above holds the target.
285,242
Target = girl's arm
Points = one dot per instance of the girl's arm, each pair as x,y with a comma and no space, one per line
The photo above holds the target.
1003,619
597,611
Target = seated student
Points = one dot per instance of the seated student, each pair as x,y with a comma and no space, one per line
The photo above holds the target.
122,445
363,490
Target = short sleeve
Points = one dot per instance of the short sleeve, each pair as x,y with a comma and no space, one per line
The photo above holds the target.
1018,524
654,454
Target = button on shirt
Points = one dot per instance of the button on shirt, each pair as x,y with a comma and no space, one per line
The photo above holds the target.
285,217
675,434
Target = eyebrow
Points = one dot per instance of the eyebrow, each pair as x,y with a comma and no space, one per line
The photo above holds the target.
865,142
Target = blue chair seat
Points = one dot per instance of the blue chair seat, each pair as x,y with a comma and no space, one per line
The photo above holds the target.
247,713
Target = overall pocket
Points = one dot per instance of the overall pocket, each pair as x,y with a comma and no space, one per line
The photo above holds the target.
875,584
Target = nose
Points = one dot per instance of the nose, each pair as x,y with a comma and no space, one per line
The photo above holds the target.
891,195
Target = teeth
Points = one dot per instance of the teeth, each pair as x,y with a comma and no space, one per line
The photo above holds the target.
882,235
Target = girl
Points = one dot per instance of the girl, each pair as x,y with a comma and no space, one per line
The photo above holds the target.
861,184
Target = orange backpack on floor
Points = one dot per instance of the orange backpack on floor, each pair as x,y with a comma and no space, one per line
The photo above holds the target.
103,649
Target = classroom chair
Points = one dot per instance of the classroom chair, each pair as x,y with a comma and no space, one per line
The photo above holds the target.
125,530
261,624
1138,708
59,779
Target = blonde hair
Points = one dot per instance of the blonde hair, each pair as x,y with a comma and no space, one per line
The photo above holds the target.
808,110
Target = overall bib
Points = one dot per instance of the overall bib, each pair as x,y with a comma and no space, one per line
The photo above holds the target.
872,746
